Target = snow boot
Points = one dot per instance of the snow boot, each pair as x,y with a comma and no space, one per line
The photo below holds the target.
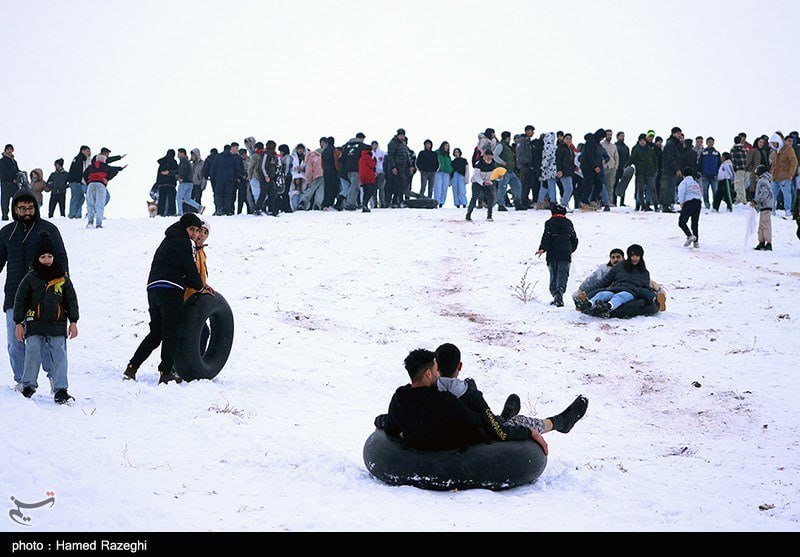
510,408
564,421
168,377
661,299
768,246
62,396
759,247
27,392
559,300
130,373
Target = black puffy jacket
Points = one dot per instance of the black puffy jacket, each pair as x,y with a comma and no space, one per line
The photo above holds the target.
173,263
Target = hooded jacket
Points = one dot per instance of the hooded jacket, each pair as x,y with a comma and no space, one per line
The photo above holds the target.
784,164
559,240
397,153
18,246
45,306
38,185
619,279
173,263
168,163
549,165
351,153
197,168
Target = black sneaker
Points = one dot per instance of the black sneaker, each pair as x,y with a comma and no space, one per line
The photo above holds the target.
559,300
759,247
168,377
469,217
511,407
604,310
62,396
767,247
501,208
130,373
565,421
27,392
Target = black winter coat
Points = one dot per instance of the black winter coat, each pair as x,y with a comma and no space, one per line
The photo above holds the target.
351,152
427,161
18,247
431,420
8,169
672,156
171,166
75,174
559,240
173,263
565,160
45,306
620,279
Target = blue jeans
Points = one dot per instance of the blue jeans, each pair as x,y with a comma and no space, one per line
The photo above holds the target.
566,183
76,199
509,178
49,353
705,181
616,299
344,187
255,189
96,203
784,187
551,192
185,196
441,182
459,189
16,349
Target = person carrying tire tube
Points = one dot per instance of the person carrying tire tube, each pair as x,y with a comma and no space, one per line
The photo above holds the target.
202,268
172,270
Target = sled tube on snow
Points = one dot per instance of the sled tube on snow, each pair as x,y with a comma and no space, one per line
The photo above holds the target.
496,466
196,357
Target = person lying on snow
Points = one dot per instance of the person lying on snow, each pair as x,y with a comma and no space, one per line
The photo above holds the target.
625,282
429,419
591,284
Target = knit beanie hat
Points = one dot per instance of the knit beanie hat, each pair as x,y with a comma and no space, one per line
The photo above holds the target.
191,219
556,209
44,245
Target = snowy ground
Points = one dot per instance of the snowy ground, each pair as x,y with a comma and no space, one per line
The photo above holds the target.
692,422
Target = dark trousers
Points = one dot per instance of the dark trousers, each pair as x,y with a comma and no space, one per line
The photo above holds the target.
241,195
166,201
723,193
690,210
485,192
7,191
57,200
369,192
223,197
399,183
164,308
197,193
670,182
526,179
268,198
331,187
590,191
559,275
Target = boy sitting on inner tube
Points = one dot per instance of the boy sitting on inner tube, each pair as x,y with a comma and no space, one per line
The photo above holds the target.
429,419
506,426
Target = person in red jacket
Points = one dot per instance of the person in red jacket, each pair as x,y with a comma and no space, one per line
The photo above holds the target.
367,177
97,175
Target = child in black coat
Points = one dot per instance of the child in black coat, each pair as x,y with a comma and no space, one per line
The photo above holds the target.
559,241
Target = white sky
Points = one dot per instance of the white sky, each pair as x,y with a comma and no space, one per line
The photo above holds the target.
141,77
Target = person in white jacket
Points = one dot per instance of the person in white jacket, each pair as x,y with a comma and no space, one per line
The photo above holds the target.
690,198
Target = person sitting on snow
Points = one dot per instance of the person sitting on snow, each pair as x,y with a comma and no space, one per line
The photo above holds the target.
626,282
427,418
591,284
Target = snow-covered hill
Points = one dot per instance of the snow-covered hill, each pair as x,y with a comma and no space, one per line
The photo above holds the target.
692,421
